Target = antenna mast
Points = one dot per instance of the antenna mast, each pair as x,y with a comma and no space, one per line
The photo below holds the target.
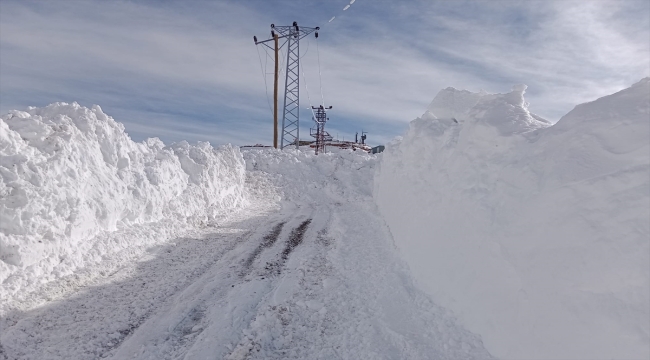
319,133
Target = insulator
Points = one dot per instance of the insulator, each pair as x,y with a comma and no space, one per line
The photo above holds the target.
317,35
272,33
295,23
255,38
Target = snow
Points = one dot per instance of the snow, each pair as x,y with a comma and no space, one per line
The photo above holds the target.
307,271
75,188
535,236
483,231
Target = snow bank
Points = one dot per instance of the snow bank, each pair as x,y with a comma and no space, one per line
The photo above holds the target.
536,236
300,175
71,177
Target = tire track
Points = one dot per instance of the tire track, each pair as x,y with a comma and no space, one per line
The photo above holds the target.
188,330
185,332
267,241
190,278
295,238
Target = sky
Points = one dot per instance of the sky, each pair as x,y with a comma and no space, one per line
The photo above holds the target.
189,70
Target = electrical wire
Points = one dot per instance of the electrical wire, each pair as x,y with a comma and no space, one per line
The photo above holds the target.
348,6
320,77
306,88
306,50
266,88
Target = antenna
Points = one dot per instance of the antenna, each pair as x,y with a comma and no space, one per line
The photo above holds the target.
291,36
320,118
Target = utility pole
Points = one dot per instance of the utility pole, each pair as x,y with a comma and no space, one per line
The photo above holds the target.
290,116
319,133
275,93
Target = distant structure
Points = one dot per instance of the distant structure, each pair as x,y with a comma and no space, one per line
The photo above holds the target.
352,145
363,137
290,115
322,136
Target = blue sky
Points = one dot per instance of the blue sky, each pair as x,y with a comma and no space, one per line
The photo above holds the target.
189,70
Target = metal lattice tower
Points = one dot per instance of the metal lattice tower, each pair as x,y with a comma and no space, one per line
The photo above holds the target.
291,113
320,118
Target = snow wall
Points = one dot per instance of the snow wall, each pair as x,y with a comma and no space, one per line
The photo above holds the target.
74,187
301,176
536,236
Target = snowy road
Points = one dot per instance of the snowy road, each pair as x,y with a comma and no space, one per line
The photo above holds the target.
535,236
315,276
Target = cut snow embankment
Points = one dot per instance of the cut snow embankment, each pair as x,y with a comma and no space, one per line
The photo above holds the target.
303,177
536,236
75,188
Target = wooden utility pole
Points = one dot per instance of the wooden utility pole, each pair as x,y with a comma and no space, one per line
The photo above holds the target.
275,95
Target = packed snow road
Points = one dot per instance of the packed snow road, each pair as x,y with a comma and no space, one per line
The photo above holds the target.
313,275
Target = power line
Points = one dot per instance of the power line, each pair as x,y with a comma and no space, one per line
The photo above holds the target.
344,9
266,88
307,89
320,78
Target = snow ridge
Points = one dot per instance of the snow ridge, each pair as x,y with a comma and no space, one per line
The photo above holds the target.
74,186
536,236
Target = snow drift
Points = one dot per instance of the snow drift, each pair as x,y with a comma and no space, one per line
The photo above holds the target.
536,236
71,177
303,172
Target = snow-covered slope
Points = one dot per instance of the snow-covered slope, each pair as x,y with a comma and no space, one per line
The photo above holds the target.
74,188
536,236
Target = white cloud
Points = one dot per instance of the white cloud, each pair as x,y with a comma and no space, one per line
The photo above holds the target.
381,64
